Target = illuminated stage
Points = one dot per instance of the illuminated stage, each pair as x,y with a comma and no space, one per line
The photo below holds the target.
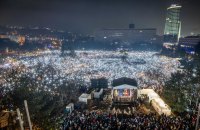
124,93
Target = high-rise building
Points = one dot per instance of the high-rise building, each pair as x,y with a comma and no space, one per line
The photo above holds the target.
172,25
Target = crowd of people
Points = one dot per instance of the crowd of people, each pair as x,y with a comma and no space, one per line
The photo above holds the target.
49,71
106,121
97,64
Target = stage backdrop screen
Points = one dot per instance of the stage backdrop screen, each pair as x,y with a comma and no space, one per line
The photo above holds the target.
121,92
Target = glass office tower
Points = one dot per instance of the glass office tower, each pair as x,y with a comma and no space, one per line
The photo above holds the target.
172,25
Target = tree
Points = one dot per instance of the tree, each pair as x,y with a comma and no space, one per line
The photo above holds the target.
178,89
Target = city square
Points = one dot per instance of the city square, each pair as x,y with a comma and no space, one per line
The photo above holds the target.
99,65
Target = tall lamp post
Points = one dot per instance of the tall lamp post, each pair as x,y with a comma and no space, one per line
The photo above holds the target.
198,114
27,113
20,119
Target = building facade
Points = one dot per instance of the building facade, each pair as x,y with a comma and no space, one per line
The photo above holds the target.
189,43
172,25
129,35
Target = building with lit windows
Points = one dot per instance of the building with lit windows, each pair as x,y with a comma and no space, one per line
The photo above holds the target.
129,35
172,25
189,43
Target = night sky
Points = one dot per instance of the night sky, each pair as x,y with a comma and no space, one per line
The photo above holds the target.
89,15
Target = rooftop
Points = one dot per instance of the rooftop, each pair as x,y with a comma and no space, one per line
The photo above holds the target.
125,86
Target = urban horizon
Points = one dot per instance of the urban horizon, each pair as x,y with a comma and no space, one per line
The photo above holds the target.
87,17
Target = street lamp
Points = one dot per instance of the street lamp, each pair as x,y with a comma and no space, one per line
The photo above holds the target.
198,114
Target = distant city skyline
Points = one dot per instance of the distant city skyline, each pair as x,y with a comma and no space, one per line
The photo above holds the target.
87,16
